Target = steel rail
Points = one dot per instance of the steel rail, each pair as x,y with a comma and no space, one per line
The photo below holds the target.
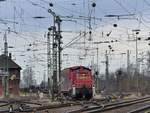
147,107
110,106
106,108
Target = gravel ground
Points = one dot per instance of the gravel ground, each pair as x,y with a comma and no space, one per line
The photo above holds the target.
60,110
46,101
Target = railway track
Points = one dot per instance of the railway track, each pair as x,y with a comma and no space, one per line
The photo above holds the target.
16,106
110,106
141,109
27,105
75,107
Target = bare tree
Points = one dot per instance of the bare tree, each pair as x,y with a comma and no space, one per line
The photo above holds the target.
28,77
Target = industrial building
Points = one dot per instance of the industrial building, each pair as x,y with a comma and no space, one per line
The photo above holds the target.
13,73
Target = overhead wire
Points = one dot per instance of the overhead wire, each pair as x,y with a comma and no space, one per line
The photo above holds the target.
147,3
73,41
31,18
123,7
37,5
71,11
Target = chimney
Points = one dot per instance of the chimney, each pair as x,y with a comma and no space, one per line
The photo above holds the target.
10,55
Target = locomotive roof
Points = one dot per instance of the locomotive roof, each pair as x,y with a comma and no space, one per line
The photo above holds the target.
78,67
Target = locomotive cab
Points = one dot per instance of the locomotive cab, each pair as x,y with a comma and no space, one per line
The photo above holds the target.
78,82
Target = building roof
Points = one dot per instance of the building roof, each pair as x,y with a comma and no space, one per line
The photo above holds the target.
11,63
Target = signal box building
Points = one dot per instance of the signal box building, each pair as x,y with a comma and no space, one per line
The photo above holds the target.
13,75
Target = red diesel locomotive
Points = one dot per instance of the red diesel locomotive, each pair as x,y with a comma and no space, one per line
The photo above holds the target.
77,82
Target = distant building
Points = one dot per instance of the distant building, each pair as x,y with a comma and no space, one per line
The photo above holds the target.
13,72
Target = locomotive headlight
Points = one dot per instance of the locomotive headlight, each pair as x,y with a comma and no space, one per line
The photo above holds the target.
73,90
94,93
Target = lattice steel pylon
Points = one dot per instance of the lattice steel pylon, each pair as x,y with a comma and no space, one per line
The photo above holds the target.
6,77
54,53
49,62
55,60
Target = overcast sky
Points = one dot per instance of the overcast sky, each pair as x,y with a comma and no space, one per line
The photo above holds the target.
29,43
